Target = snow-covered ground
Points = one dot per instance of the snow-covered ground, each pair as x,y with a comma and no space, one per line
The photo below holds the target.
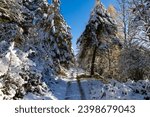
120,91
69,88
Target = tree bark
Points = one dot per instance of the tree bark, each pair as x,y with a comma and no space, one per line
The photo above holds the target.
93,61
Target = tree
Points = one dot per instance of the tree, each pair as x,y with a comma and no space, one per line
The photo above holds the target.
134,64
62,35
41,46
52,39
98,37
113,13
134,17
124,17
134,60
18,73
140,22
116,15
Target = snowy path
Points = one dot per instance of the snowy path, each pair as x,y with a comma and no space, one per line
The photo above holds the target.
74,90
67,88
71,88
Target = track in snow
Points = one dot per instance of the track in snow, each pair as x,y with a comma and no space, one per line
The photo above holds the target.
74,90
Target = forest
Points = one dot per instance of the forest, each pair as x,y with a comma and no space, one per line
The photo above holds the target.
37,61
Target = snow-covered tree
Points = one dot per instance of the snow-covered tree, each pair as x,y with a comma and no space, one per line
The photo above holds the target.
52,43
18,75
40,34
134,64
117,16
98,42
134,61
124,20
62,35
140,23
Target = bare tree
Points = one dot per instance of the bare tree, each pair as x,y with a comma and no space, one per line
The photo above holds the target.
124,18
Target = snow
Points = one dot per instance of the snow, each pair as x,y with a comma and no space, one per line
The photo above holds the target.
45,15
31,96
1,95
123,91
69,88
34,61
96,89
3,67
58,88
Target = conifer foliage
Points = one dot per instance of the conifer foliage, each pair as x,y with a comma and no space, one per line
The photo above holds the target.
35,43
37,61
97,42
62,35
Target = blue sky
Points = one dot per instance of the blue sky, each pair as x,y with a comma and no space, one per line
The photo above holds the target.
76,14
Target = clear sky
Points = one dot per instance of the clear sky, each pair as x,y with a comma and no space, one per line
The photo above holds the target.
76,14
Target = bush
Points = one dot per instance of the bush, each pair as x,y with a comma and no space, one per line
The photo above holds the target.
134,64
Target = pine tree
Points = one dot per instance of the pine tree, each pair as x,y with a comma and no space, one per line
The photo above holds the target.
41,46
98,38
18,73
56,38
62,35
52,43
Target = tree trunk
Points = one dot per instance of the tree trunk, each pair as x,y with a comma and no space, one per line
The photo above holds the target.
93,61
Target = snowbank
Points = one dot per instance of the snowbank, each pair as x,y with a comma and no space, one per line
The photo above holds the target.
121,91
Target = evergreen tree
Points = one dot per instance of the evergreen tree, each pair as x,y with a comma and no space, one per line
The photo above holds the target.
41,45
19,74
52,39
97,41
62,35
